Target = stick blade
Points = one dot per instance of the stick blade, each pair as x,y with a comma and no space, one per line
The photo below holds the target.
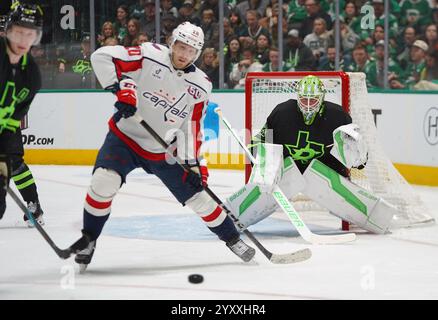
288,258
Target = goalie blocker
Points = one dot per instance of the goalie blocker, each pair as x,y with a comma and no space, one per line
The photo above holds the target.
344,199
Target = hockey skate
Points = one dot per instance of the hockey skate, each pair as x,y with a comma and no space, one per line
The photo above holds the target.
83,257
241,249
84,250
35,209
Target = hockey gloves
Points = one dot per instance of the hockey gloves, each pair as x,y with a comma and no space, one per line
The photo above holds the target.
198,174
126,99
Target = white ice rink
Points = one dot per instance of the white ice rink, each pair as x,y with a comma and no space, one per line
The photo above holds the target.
151,244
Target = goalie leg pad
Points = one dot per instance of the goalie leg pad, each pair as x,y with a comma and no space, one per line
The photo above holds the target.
267,171
347,200
251,205
104,186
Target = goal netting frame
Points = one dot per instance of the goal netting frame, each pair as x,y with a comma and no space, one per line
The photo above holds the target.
264,90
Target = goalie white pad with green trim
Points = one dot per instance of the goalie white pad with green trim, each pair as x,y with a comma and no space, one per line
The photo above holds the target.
347,200
349,147
267,171
250,204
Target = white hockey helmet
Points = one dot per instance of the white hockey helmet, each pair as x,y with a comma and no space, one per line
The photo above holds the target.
189,34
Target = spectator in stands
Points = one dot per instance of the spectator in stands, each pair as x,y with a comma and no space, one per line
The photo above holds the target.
249,5
313,8
429,76
133,32
263,43
168,8
296,13
270,22
415,68
237,24
75,71
210,28
415,13
351,16
214,5
248,64
228,31
274,62
210,65
187,13
297,56
404,56
121,24
232,57
253,27
375,75
141,38
361,61
147,21
168,23
329,64
379,10
317,41
137,10
349,39
108,31
431,35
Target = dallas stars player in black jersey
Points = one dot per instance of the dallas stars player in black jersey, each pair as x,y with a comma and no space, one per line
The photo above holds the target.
20,79
304,126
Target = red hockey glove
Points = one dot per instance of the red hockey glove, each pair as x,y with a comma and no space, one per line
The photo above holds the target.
126,98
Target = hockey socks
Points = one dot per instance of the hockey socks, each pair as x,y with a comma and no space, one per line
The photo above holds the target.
93,225
25,183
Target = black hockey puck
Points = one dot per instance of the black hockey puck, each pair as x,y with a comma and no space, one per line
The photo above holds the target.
196,278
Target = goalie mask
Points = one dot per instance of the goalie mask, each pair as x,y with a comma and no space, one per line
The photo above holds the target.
28,16
188,34
310,95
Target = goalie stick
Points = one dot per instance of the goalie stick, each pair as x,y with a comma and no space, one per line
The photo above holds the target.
286,258
63,254
287,207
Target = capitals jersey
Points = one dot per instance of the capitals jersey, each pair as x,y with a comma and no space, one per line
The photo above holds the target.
285,125
173,102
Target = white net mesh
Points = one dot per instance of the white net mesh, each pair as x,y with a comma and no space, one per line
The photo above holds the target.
379,175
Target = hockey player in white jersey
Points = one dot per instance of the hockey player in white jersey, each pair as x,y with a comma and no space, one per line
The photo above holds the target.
163,87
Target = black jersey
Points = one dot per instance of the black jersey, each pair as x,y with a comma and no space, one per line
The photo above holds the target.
305,142
18,85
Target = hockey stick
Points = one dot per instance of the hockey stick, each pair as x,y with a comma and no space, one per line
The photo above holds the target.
287,207
63,254
287,258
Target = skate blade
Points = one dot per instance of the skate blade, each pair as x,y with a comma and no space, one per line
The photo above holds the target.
82,268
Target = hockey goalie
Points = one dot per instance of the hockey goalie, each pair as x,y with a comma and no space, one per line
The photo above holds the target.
308,145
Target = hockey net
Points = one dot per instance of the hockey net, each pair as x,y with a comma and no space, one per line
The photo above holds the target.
265,90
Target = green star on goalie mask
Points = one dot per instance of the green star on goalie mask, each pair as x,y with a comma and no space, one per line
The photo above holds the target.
310,95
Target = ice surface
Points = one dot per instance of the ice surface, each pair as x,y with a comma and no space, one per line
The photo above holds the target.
151,244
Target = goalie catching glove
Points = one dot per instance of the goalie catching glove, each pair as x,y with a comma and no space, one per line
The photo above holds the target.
349,147
126,98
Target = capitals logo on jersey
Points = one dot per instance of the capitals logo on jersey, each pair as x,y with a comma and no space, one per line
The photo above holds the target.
168,104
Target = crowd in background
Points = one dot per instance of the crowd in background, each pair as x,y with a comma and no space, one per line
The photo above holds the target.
251,39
